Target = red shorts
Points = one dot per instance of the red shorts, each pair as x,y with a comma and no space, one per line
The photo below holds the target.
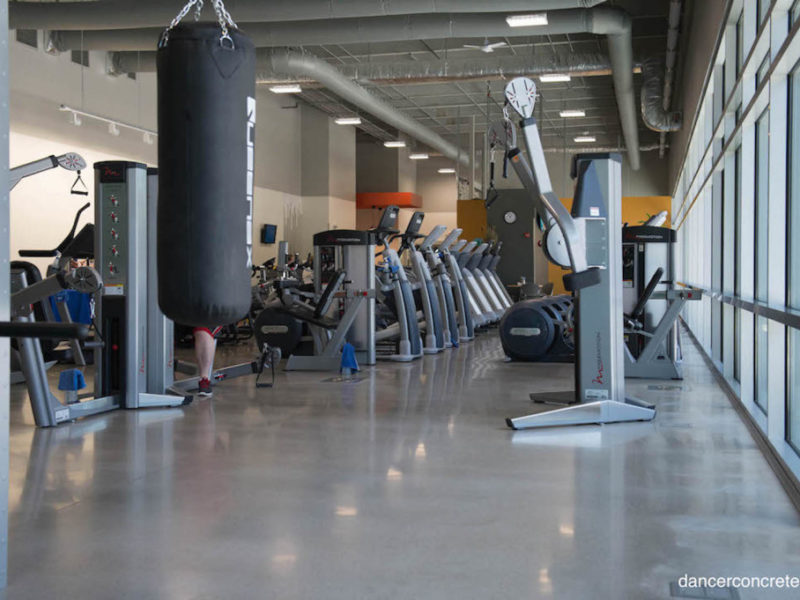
213,333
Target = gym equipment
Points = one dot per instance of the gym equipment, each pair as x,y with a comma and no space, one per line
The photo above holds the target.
461,297
397,293
651,301
433,340
539,329
486,313
343,263
592,243
71,161
443,285
54,308
206,124
489,278
122,310
491,275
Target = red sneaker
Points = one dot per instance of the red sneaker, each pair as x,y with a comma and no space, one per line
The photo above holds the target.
204,388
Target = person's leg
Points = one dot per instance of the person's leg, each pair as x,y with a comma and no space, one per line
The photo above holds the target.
204,354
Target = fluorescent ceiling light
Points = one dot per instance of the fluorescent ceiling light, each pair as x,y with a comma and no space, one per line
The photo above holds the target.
395,144
572,113
554,77
418,156
348,121
447,171
286,89
532,20
585,139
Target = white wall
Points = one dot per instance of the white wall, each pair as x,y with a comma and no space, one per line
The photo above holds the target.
42,210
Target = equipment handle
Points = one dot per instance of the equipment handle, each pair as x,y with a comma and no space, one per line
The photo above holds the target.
78,331
648,291
38,253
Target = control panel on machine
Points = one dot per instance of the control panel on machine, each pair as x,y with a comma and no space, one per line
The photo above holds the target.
113,214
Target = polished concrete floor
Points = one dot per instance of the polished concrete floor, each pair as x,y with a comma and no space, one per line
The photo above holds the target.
406,485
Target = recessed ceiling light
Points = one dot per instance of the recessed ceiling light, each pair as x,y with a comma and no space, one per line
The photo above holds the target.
554,77
585,139
348,121
395,144
572,113
418,156
286,89
447,171
532,20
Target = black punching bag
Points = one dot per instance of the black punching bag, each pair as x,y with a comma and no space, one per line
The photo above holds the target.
206,132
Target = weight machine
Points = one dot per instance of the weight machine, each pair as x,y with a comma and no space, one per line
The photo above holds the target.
587,240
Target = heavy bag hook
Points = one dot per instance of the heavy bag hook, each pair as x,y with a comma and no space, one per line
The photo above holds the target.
223,17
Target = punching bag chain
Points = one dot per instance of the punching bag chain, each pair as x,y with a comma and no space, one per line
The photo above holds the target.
223,17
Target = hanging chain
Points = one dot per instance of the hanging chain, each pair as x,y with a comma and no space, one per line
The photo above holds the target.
223,18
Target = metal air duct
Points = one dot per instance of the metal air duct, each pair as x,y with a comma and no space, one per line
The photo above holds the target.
117,14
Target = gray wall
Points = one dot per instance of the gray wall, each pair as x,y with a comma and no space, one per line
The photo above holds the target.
277,143
518,251
314,148
376,168
701,25
341,161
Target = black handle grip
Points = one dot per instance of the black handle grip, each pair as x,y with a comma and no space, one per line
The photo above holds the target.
78,331
648,291
37,253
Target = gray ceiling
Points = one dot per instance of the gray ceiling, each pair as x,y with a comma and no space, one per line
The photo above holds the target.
449,107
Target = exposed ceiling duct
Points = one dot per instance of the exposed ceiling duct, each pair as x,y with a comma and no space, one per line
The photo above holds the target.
403,72
117,14
675,7
599,20
653,113
614,23
305,65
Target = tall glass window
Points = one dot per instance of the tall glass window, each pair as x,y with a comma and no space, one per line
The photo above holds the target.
739,43
737,266
763,9
761,258
793,260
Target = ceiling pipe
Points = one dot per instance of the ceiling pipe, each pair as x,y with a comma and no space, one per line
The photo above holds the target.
305,65
117,14
410,28
579,149
675,7
583,65
614,23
